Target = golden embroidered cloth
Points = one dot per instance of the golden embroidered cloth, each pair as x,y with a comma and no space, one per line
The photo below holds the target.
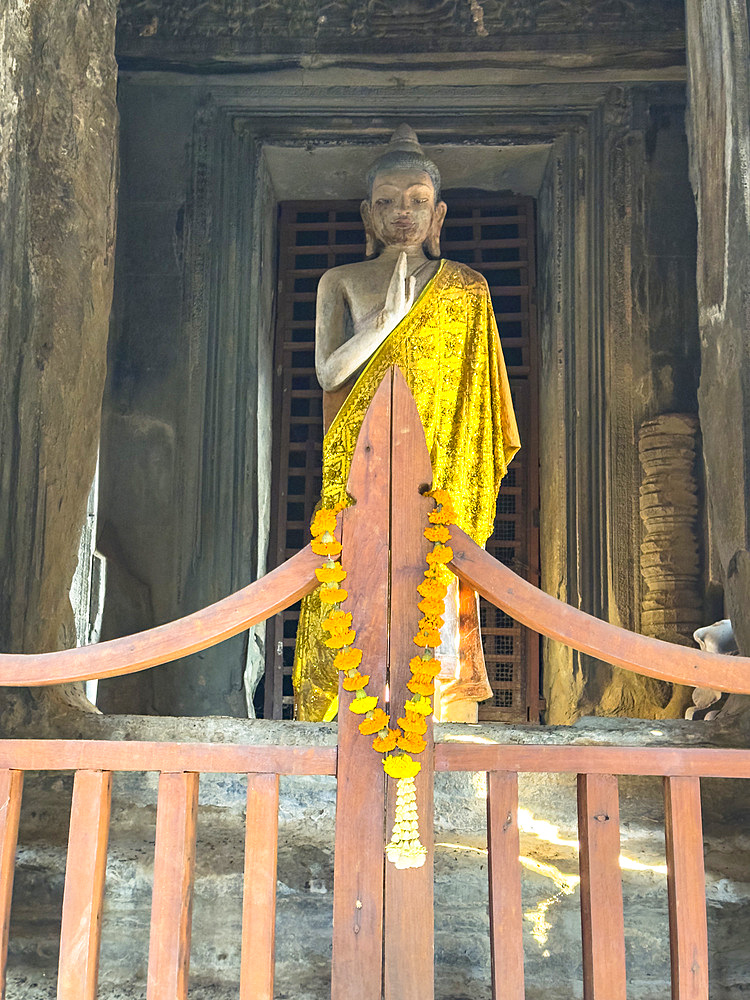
449,352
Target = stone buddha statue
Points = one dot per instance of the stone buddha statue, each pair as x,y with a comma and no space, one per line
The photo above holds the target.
404,305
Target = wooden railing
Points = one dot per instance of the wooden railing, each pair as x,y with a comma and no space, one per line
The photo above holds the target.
382,917
179,766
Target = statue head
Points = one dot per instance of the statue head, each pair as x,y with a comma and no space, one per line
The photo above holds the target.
404,207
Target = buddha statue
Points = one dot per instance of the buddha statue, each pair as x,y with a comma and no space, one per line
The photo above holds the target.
405,305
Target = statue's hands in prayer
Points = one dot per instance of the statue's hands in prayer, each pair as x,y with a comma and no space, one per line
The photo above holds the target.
399,298
343,304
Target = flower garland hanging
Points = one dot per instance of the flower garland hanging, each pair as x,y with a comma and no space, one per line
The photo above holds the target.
397,745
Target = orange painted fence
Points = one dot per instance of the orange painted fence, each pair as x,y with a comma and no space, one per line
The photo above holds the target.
377,909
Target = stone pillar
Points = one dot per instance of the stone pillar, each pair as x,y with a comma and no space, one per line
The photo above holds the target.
718,50
58,168
619,344
672,599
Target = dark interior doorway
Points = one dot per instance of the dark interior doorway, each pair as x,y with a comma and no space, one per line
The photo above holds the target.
495,236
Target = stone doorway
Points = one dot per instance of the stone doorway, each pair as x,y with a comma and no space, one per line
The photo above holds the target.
186,456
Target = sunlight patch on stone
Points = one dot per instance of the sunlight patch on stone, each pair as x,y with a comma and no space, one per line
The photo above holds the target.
452,738
566,884
464,847
527,823
631,865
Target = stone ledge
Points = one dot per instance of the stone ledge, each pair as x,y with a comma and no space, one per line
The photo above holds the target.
589,731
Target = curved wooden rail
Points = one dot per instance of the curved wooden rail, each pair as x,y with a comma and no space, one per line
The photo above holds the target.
296,577
551,617
273,592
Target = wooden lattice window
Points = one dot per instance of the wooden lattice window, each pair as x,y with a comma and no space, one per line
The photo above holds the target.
496,237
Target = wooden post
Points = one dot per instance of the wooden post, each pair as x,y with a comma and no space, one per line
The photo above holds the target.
602,923
506,919
390,465
171,908
11,785
409,916
686,887
259,897
359,844
80,934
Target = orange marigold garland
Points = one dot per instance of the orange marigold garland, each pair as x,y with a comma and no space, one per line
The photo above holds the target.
397,745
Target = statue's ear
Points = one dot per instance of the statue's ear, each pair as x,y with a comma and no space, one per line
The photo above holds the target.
432,243
372,244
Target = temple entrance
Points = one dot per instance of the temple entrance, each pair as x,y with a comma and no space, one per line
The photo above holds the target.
495,236
190,430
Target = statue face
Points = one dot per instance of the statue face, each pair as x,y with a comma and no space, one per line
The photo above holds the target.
402,209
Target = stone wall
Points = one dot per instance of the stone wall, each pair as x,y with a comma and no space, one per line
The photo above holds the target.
185,464
58,167
235,32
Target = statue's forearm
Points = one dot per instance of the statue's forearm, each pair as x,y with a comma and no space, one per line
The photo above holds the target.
336,358
334,369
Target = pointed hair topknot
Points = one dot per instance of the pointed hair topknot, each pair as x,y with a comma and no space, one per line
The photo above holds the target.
404,152
405,138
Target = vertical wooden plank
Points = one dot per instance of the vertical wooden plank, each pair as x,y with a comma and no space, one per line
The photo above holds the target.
504,871
11,786
171,907
686,886
360,799
602,922
83,897
259,896
409,917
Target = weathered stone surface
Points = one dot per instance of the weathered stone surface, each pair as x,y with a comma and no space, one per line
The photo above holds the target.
719,98
619,345
58,122
186,439
671,565
238,28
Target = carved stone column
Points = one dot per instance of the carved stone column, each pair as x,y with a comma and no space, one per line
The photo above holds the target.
672,600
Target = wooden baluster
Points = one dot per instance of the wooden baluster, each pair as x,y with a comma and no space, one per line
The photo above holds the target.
409,917
11,786
686,885
171,907
602,923
504,872
259,899
83,898
358,864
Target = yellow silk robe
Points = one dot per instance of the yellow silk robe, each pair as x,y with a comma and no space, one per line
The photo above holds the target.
449,351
